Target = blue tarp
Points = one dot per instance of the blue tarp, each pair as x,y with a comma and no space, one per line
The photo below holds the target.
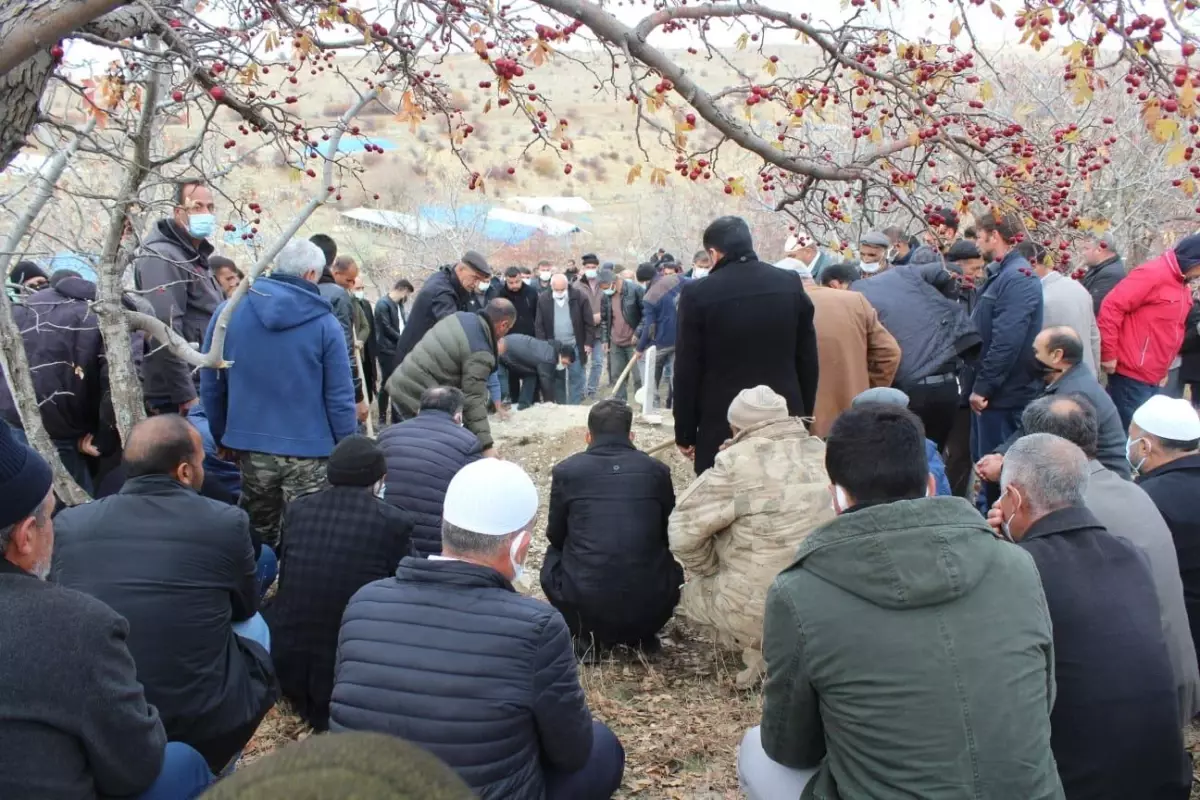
80,262
234,236
355,144
476,216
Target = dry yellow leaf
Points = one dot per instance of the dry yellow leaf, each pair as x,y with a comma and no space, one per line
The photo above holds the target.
876,135
956,27
738,185
742,41
770,68
986,91
1187,99
1165,130
998,11
635,172
1188,186
1177,154
658,176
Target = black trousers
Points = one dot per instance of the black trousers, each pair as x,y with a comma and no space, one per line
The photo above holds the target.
960,467
937,405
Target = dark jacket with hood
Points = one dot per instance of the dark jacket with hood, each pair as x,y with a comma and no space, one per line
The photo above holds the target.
659,319
440,296
631,298
343,310
511,706
746,324
883,609
1115,725
1100,280
608,567
181,569
66,357
1008,318
460,351
581,318
171,272
1175,489
332,543
288,391
1189,370
423,454
931,327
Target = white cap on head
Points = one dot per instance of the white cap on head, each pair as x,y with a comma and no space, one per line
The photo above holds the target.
490,497
1168,418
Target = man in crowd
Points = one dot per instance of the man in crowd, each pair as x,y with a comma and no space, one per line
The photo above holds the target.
334,542
1164,449
872,253
964,259
660,307
1059,353
1105,269
837,276
739,521
620,319
335,285
891,396
1125,510
541,281
1112,737
747,324
423,454
1008,318
940,235
364,334
1142,324
1065,303
181,569
525,300
917,305
516,728
608,567
899,245
526,358
802,254
459,351
67,362
29,277
882,609
171,271
589,285
449,290
228,276
283,335
565,316
702,265
74,721
854,350
391,316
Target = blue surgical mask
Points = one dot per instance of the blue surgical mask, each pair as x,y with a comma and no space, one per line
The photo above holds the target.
610,292
699,272
527,281
1129,443
201,226
590,274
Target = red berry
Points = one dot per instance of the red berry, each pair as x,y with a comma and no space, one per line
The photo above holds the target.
312,173
567,169
1188,49
512,170
691,119
56,52
217,93
177,96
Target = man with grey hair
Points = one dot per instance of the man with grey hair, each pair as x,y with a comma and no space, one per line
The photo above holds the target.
1125,510
1105,269
448,655
286,398
1115,728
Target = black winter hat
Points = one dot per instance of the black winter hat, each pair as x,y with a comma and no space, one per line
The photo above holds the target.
1187,252
356,461
26,271
25,477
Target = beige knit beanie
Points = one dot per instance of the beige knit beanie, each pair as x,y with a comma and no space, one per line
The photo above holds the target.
752,406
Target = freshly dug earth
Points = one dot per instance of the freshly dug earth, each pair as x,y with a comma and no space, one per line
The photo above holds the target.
679,716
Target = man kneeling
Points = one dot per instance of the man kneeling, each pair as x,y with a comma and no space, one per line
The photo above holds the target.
740,522
447,655
608,568
909,651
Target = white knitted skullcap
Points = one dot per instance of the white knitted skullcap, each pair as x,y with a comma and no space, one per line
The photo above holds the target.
759,404
1168,418
490,497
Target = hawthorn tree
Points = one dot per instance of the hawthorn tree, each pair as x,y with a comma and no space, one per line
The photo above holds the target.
1090,122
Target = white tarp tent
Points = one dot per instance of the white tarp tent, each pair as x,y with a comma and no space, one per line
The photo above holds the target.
550,225
553,205
421,227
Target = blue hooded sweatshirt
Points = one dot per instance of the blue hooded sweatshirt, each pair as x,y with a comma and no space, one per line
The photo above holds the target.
288,391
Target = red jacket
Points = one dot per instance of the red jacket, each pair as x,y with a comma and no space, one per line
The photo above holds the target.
1142,319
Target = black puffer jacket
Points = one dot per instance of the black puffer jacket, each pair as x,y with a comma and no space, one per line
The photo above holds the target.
1102,278
449,657
66,358
609,562
1189,371
423,454
440,296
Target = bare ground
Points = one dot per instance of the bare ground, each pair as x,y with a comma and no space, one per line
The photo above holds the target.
679,716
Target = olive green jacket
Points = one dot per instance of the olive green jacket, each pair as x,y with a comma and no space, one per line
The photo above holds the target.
909,654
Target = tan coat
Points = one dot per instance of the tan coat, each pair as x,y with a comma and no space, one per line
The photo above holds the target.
740,522
854,350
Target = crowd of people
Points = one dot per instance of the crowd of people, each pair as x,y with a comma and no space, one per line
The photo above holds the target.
943,509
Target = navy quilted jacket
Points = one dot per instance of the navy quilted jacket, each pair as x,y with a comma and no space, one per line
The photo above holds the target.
423,454
449,657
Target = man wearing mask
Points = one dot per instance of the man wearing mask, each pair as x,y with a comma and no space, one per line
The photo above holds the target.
899,245
701,265
1059,355
589,285
364,328
449,290
872,251
541,280
391,314
621,314
525,299
802,253
564,315
172,272
743,301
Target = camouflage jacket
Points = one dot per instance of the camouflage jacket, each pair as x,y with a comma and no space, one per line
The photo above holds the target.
741,522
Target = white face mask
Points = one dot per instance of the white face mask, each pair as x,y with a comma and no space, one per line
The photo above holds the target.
560,366
518,569
700,272
360,294
381,490
869,267
560,295
545,276
839,502
590,274
1129,443
527,281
